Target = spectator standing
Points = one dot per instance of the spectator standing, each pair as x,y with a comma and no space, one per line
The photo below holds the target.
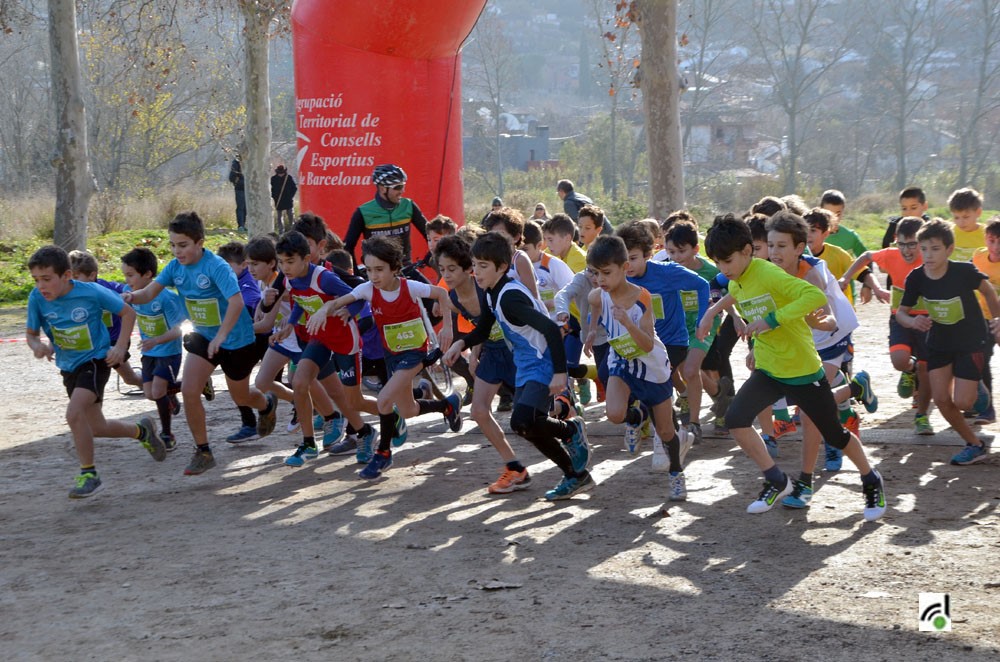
237,180
283,190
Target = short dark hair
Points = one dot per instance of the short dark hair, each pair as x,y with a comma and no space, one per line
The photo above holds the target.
50,256
682,233
653,226
532,233
560,224
993,226
795,203
769,205
937,228
493,247
832,197
84,262
261,249
293,243
909,226
341,259
454,248
442,225
819,218
564,185
913,192
333,240
470,232
142,260
512,220
594,212
311,226
189,224
677,217
757,223
636,235
607,249
383,249
234,251
965,199
728,235
790,223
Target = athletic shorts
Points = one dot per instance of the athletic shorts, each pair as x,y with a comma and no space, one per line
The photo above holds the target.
287,353
403,360
237,364
601,357
345,366
901,338
164,367
838,353
261,341
646,392
91,375
713,357
677,354
534,395
496,366
964,365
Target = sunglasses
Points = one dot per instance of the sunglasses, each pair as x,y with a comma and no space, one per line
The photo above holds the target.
397,187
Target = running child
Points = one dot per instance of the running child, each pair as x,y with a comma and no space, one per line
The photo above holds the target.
987,260
558,234
966,207
639,380
538,352
510,224
70,313
592,224
957,334
222,336
785,362
159,323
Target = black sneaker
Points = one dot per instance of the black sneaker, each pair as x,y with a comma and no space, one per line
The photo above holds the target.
151,441
87,484
268,416
169,443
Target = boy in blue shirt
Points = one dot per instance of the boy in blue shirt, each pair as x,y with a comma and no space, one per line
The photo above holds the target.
71,315
222,336
159,323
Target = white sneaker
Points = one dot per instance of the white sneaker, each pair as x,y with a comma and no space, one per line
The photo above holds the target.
661,463
632,433
677,487
769,496
686,439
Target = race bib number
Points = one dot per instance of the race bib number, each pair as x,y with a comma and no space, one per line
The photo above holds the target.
106,319
203,312
625,347
151,326
947,311
689,301
547,294
75,338
405,335
496,332
897,296
309,305
657,301
757,308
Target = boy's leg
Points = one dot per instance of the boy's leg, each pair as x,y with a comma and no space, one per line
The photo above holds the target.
756,395
616,401
196,372
272,363
942,382
691,371
482,413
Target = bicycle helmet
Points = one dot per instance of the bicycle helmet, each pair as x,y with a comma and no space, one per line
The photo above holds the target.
388,174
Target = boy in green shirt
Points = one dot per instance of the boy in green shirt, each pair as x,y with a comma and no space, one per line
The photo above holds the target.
784,361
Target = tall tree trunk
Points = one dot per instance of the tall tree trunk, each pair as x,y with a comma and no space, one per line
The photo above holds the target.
74,181
614,146
657,21
901,174
258,129
792,164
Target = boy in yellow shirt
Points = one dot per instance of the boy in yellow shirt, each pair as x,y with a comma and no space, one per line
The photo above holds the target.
966,206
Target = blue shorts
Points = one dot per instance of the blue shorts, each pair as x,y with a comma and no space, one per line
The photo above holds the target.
346,366
601,358
403,360
287,353
164,367
534,395
496,366
901,338
648,393
838,353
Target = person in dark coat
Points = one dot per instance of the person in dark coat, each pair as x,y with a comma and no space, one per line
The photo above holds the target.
283,191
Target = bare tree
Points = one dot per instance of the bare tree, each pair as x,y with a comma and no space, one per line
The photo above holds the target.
974,149
660,85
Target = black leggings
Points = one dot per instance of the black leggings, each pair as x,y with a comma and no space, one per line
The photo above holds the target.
815,399
545,433
725,341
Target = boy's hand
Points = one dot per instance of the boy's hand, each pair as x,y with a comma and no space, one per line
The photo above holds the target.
562,318
452,354
751,361
269,296
280,335
588,344
866,294
704,326
149,343
115,356
42,350
882,296
445,338
127,297
619,313
317,322
558,383
819,320
755,329
214,346
922,323
739,325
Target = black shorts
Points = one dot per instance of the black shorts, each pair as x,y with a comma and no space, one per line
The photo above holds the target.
261,341
964,365
901,338
165,367
237,364
676,354
713,357
91,375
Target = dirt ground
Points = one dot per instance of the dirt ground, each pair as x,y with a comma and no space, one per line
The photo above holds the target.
255,560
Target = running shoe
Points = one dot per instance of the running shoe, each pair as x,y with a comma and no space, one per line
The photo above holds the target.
175,405
971,454
907,384
677,486
633,433
453,412
209,390
868,397
834,458
334,430
200,462
346,446
301,455
399,434
694,431
569,486
268,417
510,481
426,391
983,399
771,444
151,441
781,428
378,464
371,384
986,417
686,441
578,447
583,387
922,425
87,485
169,442
684,407
245,433
800,497
874,500
366,446
293,425
768,496
467,398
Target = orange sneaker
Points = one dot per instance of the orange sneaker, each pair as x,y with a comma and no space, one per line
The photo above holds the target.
781,428
853,423
600,390
510,481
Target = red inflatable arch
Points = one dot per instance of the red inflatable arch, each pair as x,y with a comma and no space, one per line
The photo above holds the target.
379,82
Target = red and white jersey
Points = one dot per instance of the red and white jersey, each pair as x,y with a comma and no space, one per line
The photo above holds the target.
307,293
398,314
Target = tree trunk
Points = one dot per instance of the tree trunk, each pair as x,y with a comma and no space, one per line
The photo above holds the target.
74,181
255,160
792,164
614,146
657,20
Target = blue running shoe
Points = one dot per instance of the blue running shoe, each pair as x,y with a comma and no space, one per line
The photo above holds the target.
983,400
868,397
578,446
245,433
453,414
982,418
399,434
318,422
834,458
366,446
771,444
334,430
971,454
302,454
800,497
379,464
346,446
569,486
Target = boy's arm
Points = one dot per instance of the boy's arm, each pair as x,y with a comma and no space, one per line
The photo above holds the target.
642,333
596,308
233,312
146,294
860,263
918,322
117,353
804,298
40,348
526,273
479,334
705,325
